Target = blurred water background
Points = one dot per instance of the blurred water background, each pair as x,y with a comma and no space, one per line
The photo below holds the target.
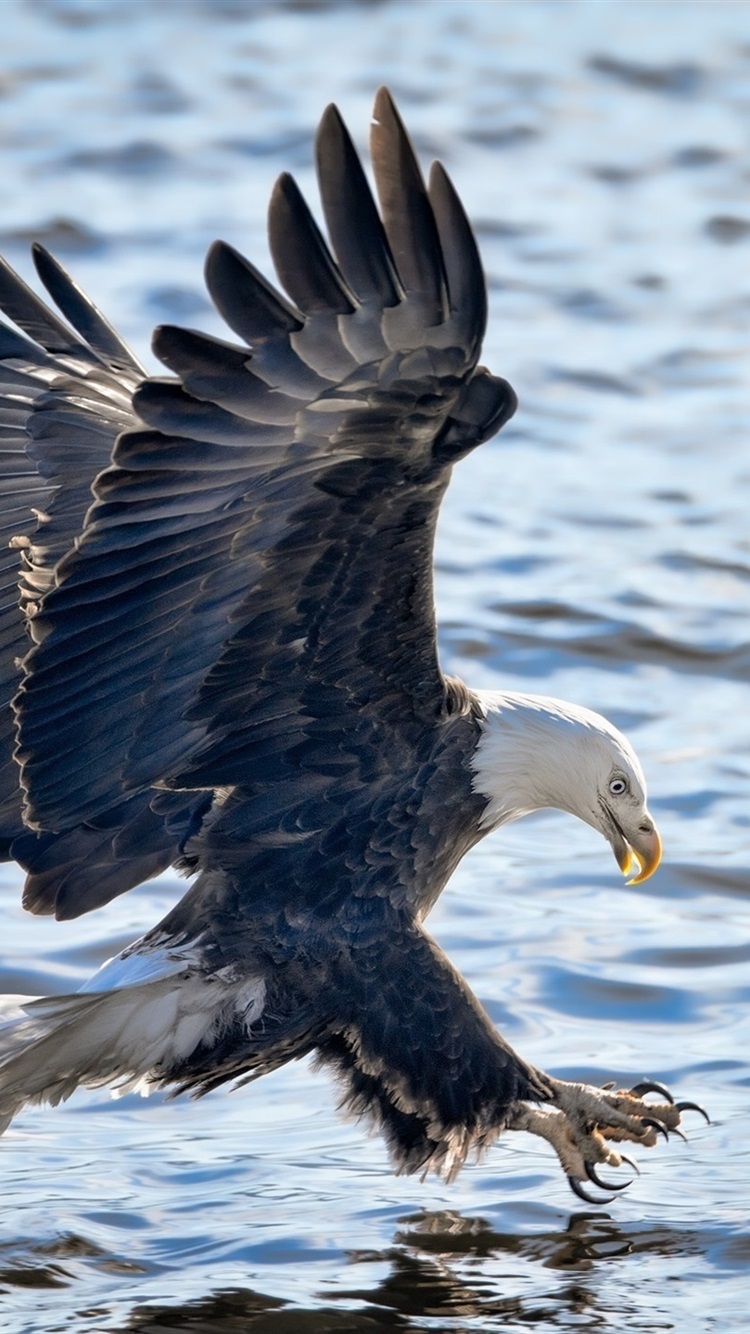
599,550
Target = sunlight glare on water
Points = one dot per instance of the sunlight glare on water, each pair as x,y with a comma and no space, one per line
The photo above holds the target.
597,550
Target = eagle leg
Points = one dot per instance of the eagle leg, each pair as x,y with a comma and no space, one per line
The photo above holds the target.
587,1122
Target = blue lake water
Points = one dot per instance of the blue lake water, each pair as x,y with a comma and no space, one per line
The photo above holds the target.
598,550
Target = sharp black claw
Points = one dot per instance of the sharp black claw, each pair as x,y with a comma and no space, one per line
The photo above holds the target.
604,1185
577,1189
679,1133
693,1107
631,1163
650,1086
655,1125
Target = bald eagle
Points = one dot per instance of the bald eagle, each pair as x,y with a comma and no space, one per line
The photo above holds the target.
226,662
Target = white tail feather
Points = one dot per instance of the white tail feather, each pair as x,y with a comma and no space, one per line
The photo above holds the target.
131,1034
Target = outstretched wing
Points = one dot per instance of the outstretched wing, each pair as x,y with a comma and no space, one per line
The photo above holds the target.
257,566
65,395
63,404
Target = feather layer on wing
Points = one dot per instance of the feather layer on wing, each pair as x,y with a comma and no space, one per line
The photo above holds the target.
230,571
259,554
66,395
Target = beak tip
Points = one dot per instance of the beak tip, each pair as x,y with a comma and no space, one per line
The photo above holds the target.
644,858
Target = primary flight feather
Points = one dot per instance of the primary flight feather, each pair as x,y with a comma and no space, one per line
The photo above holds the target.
227,661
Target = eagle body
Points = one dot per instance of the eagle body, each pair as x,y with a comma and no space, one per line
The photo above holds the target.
225,660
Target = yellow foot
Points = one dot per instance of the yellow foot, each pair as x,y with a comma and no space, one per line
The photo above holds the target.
586,1118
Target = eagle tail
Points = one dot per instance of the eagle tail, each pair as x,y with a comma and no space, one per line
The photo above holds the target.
123,1029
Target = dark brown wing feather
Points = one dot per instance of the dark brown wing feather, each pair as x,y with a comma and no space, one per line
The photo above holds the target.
261,555
65,398
253,585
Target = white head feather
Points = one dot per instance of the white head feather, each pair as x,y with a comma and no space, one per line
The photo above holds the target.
537,752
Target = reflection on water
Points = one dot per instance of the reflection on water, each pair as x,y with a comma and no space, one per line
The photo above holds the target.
598,550
441,1266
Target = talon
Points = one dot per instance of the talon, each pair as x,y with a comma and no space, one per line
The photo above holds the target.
680,1133
631,1163
604,1185
650,1086
577,1189
693,1107
655,1125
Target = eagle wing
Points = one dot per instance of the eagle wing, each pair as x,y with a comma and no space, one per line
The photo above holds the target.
256,568
66,393
64,401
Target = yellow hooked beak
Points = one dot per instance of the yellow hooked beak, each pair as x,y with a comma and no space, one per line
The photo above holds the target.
641,853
